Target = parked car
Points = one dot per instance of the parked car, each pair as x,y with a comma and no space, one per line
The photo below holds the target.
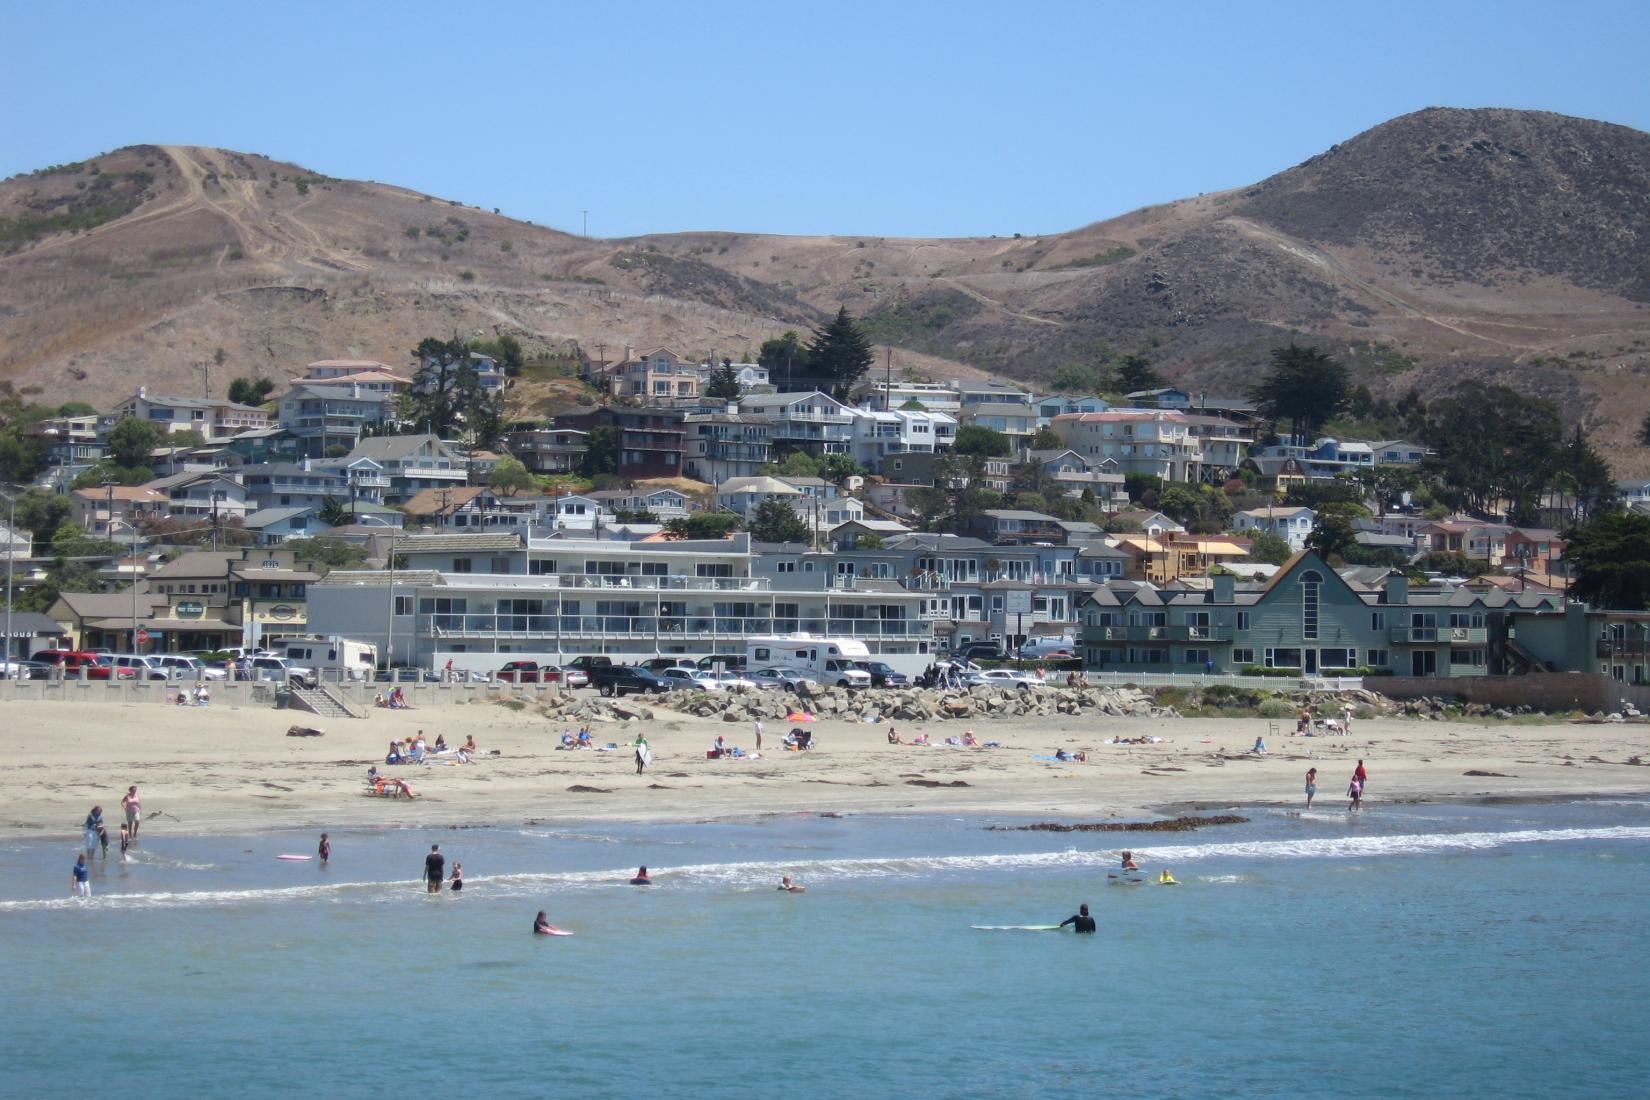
733,681
401,674
13,670
845,673
690,679
984,651
77,663
1006,677
730,662
589,661
142,668
574,677
528,672
658,665
788,679
183,667
280,670
620,680
882,675
1047,649
32,670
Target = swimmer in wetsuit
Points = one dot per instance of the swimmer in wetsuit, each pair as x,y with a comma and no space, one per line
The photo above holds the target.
1082,922
542,925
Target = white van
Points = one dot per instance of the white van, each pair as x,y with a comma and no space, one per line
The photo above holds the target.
832,661
331,658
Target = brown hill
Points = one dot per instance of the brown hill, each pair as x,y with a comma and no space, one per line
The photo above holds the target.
1441,245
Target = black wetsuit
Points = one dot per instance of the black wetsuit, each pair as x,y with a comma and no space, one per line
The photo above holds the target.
1082,922
434,864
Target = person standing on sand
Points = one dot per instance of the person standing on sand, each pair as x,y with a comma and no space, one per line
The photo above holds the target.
1311,785
759,734
80,880
325,850
643,753
1346,718
1361,775
134,810
435,865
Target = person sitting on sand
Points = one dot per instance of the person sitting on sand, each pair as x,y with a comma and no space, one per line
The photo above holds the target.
203,697
920,739
1260,747
462,757
372,775
790,887
893,736
183,698
470,744
583,741
1128,862
394,755
440,742
400,787
379,701
969,740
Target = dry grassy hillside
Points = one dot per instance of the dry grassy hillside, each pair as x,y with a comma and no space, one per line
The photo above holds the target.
1443,245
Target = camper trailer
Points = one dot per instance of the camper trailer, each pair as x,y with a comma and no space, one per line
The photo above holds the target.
831,661
332,658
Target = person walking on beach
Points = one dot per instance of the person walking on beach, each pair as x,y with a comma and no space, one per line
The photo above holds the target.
80,881
1081,921
644,755
1311,785
325,850
759,734
134,810
435,865
1355,792
1361,775
94,824
125,843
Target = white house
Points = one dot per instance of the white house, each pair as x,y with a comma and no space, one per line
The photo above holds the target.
215,419
814,422
407,463
1292,525
879,433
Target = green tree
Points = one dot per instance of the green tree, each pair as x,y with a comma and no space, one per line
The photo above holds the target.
1587,478
839,468
1179,502
438,382
131,440
1332,534
1078,378
786,359
1610,557
334,512
724,383
601,453
62,576
1453,563
797,464
1304,386
776,521
983,442
506,350
868,542
1495,446
328,553
510,477
1136,373
250,391
1269,548
95,475
1142,487
839,355
1047,439
1644,430
702,525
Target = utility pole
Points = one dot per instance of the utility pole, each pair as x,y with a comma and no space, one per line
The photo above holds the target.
11,552
586,214
888,378
206,378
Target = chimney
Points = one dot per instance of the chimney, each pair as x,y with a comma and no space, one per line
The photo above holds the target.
1397,589
1225,587
143,392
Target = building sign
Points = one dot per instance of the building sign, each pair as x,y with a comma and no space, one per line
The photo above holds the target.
189,610
1017,603
283,612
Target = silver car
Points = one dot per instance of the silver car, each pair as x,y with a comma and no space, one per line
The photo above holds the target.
690,679
779,676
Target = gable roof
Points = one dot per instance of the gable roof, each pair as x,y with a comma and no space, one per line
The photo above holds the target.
442,502
394,446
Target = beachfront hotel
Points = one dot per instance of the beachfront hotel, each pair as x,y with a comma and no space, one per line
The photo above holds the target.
474,599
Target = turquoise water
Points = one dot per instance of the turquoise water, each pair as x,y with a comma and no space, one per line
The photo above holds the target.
1421,951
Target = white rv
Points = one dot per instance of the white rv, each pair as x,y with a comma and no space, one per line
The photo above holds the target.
332,658
828,660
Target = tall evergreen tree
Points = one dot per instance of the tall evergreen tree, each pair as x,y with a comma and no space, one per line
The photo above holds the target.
1611,560
1304,386
776,521
724,383
1136,373
839,355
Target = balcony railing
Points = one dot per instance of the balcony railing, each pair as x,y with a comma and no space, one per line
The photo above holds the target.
633,582
1636,648
644,627
1179,633
1457,635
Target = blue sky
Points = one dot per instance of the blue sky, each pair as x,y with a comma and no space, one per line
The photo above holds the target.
913,118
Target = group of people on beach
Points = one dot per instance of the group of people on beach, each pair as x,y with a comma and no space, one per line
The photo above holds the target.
97,841
1354,790
200,697
395,700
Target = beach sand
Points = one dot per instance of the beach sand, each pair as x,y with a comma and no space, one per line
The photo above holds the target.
223,769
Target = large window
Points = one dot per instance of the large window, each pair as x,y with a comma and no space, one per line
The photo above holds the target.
1282,658
1337,658
1377,658
1243,656
1311,581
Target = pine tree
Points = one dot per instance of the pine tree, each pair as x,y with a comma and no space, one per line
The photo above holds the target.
1305,387
724,383
776,521
839,355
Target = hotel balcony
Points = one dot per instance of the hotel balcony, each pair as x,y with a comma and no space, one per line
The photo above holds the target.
512,627
1157,634
1456,635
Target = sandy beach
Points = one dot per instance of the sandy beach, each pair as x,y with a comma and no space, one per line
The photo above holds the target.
224,769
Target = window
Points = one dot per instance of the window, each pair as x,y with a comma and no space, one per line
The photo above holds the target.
1197,656
501,565
713,569
1464,620
1243,620
1310,583
542,567
404,605
1243,656
785,567
1471,657
1376,658
996,605
1337,658
1377,620
1282,658
462,565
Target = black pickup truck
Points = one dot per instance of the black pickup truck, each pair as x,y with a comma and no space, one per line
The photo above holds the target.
617,680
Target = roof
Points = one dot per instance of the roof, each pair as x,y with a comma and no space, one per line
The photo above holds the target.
357,377
1016,513
28,624
1276,513
101,605
195,403
291,469
359,363
441,502
392,446
265,517
758,485
128,493
416,544
261,574
428,577
996,408
339,389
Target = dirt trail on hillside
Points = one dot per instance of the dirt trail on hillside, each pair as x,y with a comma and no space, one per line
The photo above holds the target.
992,303
1329,265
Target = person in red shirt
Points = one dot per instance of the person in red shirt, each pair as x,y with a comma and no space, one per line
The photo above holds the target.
1361,775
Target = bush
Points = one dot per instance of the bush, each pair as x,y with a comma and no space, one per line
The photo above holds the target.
1276,708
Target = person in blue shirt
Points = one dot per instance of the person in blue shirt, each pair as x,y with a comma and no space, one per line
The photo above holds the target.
81,882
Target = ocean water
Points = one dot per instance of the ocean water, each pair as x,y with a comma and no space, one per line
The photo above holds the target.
1417,951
